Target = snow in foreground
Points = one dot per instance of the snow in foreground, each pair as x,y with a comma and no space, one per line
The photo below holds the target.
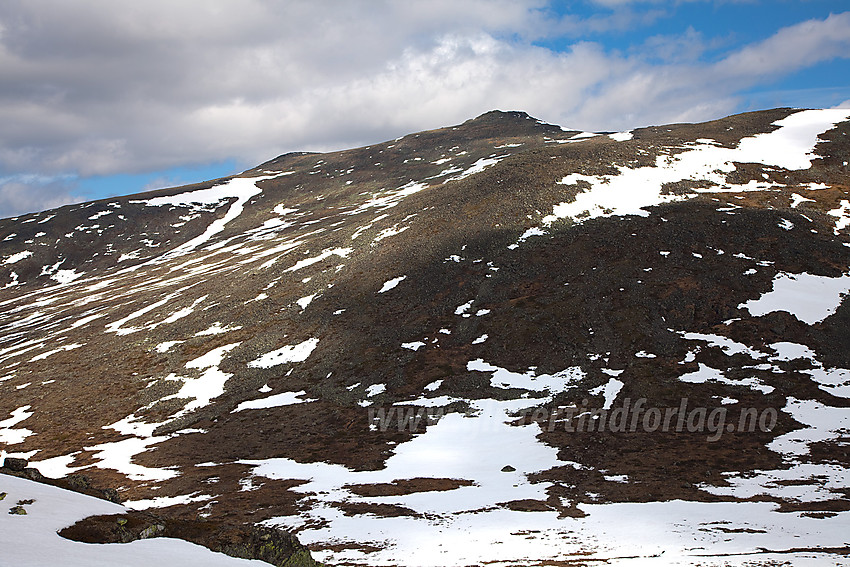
31,540
467,526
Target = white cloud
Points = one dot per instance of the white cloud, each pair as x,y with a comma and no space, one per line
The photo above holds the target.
619,3
790,49
18,197
97,88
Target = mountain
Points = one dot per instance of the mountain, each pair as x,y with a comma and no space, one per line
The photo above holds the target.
499,342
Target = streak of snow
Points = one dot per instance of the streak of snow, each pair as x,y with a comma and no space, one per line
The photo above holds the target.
791,351
86,320
164,501
116,326
13,258
242,188
387,199
44,355
533,231
283,210
277,400
341,252
387,232
11,436
56,467
477,167
390,284
217,329
186,311
288,353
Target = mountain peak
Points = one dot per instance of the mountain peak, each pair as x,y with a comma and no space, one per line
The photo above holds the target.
502,115
513,122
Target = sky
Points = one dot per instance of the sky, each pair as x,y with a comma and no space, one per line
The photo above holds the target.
100,98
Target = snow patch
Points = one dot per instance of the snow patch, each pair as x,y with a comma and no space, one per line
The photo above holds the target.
17,257
341,252
390,284
609,390
706,373
529,380
65,276
809,298
477,167
217,329
164,347
211,382
277,400
11,436
288,353
305,301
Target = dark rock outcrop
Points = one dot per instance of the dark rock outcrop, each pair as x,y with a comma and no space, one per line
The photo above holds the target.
247,542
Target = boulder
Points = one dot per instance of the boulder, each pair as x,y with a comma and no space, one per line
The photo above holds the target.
15,464
33,474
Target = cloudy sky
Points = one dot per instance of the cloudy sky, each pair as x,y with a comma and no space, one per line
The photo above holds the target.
112,97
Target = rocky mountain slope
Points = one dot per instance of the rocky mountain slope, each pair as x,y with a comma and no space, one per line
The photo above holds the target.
500,342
